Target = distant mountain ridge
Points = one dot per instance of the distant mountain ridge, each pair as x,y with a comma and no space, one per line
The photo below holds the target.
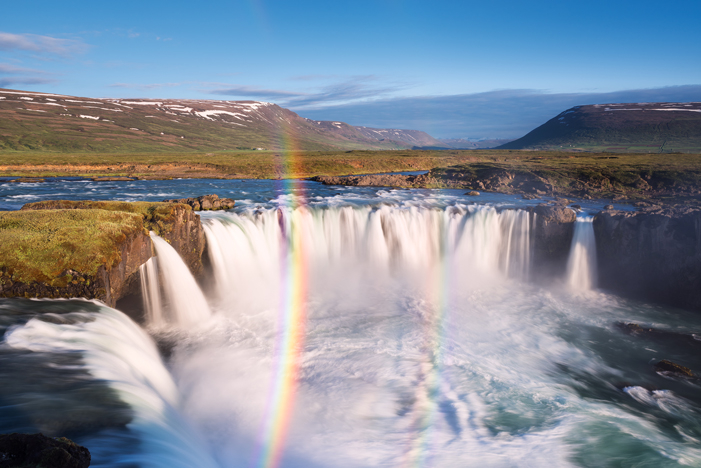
641,127
52,122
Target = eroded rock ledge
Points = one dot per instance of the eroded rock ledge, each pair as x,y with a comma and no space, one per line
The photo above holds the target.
652,255
90,249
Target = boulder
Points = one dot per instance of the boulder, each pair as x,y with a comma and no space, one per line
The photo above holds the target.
472,193
669,367
205,202
37,450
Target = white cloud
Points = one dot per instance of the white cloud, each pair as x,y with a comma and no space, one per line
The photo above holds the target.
11,75
41,44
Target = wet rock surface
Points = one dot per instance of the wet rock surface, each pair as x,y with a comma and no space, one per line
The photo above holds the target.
79,285
672,368
552,235
671,338
39,451
205,202
653,254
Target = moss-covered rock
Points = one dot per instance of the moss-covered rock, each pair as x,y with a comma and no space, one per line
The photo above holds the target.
70,253
90,249
175,222
46,245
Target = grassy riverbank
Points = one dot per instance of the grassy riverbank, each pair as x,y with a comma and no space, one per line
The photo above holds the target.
42,246
600,175
234,164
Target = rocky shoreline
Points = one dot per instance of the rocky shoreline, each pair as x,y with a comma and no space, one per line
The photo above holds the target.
646,187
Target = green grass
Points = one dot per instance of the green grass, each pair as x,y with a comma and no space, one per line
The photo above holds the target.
42,245
604,175
230,164
157,217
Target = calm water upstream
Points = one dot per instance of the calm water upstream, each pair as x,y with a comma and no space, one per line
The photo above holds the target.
366,328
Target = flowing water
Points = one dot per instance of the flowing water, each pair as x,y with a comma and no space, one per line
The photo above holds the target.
361,329
581,265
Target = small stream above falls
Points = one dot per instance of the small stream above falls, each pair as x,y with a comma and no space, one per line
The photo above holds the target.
365,327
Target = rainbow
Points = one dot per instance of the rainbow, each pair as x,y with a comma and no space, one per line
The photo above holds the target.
420,451
292,313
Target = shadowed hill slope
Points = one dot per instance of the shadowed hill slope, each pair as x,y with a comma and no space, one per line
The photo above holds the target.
641,128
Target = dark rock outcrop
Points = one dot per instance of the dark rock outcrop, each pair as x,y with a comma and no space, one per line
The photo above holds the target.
552,236
669,367
654,255
376,180
185,233
665,337
488,178
37,450
205,202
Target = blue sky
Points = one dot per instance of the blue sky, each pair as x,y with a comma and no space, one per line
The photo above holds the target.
452,68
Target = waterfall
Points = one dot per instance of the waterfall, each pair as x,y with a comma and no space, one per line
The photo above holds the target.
151,291
184,303
117,351
244,247
517,251
581,265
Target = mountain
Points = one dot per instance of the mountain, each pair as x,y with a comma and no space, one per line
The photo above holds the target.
642,128
461,143
52,122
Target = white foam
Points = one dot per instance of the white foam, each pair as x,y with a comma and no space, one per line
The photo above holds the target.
116,350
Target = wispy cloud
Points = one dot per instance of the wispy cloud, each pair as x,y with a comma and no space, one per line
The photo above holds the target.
145,86
44,45
507,113
312,77
11,75
350,90
252,91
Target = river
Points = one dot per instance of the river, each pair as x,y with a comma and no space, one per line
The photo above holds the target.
353,327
